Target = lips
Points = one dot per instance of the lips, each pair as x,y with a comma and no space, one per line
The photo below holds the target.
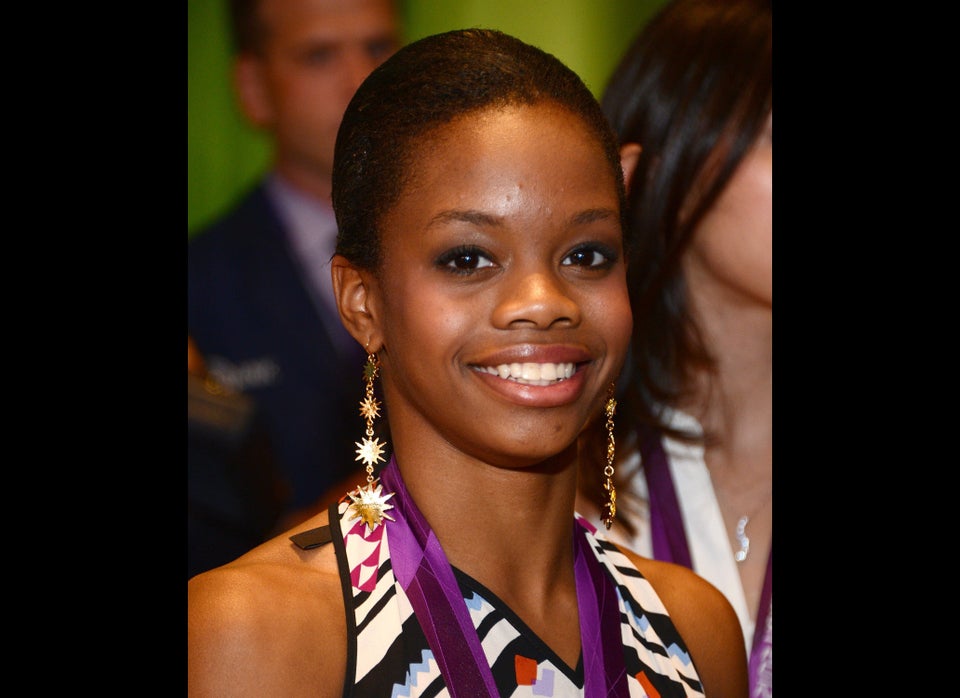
528,373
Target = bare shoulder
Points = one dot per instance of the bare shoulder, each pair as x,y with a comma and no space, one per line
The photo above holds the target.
705,620
269,623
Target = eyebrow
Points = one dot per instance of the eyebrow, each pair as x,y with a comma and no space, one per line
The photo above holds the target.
594,214
485,219
468,216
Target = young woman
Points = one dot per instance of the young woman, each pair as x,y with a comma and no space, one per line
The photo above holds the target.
480,263
692,104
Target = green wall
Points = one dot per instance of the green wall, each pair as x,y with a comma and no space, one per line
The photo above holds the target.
225,156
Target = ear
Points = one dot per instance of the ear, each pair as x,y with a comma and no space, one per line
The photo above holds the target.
629,157
355,290
250,82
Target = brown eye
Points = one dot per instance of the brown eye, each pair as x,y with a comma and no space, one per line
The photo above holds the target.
463,260
591,256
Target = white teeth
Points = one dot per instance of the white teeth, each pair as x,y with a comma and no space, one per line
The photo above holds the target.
531,373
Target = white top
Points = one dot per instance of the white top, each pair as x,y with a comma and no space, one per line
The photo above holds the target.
710,550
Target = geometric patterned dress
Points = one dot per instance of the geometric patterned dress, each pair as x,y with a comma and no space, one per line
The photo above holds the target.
389,656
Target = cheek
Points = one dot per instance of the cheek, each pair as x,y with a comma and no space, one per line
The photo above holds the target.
734,254
748,198
426,319
751,196
734,243
614,320
309,102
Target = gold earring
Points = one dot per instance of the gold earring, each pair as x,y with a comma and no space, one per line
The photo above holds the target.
610,506
368,503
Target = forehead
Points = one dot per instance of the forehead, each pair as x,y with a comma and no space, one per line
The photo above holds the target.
329,19
509,139
525,163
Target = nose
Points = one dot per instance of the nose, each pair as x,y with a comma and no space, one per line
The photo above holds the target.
537,299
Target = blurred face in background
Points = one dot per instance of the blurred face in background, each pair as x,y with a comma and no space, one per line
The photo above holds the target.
314,56
731,254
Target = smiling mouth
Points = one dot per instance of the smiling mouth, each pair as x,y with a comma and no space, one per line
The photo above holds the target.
531,373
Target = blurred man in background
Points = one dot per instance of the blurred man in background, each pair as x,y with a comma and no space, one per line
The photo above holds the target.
260,299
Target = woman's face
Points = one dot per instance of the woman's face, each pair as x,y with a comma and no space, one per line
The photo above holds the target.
731,253
502,298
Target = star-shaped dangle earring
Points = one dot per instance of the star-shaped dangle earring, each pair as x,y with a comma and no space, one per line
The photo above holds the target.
369,503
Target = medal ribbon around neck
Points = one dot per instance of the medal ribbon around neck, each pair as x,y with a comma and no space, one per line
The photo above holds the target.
422,569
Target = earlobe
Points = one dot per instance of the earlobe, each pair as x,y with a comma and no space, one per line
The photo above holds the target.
251,90
354,290
629,157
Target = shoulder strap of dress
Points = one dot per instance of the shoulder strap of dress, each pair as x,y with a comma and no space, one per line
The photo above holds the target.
313,538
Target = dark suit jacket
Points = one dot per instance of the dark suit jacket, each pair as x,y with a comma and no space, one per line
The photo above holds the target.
250,313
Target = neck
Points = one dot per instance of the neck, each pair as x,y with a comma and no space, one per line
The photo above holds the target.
733,398
477,509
